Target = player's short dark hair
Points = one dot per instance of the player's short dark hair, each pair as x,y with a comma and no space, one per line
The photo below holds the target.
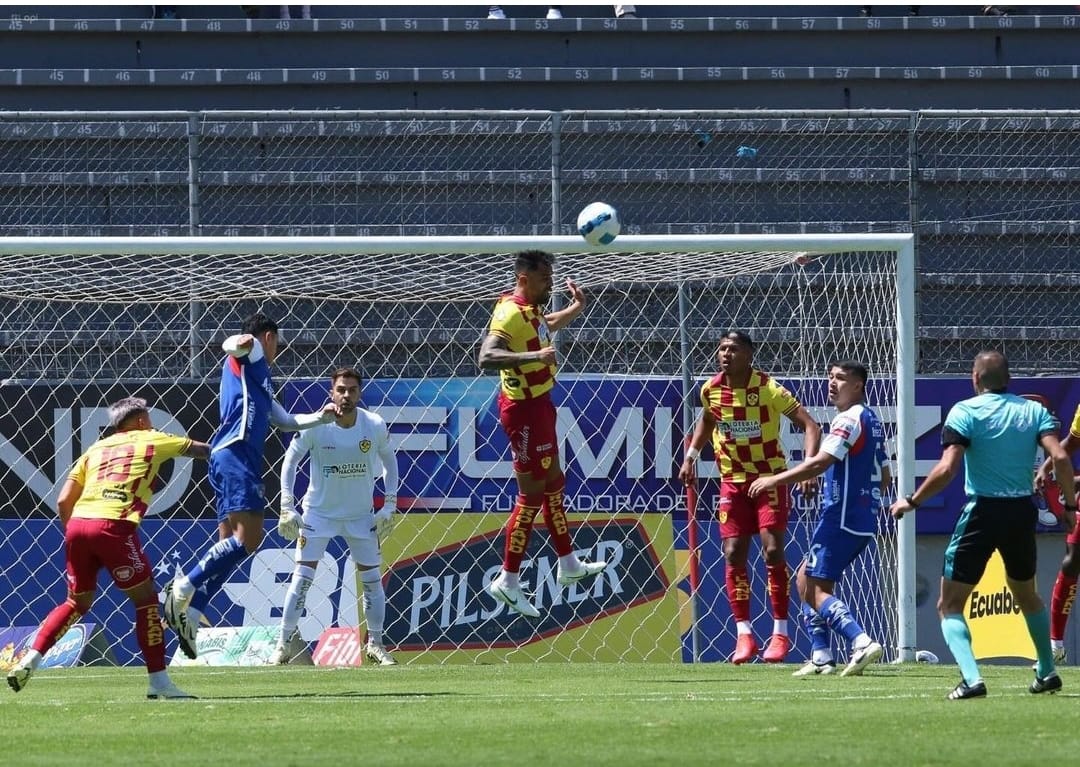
257,324
532,260
851,367
743,339
346,372
123,410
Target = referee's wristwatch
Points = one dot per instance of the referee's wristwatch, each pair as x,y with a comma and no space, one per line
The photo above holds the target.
910,498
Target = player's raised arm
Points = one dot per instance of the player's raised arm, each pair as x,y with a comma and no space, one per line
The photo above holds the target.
563,317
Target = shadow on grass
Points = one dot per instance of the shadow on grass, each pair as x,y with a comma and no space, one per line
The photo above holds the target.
330,695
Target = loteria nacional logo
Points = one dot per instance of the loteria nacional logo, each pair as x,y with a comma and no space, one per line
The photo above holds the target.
438,600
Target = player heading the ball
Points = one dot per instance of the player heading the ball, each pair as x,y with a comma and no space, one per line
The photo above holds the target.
519,346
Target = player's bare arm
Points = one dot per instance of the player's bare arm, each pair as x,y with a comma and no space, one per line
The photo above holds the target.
702,430
947,467
811,443
238,346
1069,445
198,450
65,504
811,468
496,355
560,319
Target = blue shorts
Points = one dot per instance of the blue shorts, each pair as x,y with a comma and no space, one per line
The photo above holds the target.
237,485
832,550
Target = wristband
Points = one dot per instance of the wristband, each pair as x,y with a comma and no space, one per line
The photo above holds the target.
692,453
910,498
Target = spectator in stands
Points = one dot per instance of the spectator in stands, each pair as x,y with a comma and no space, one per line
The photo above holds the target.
283,12
164,11
101,505
867,11
555,12
994,435
305,12
741,410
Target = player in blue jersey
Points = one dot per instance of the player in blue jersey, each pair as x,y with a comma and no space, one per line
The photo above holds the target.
247,409
852,458
995,435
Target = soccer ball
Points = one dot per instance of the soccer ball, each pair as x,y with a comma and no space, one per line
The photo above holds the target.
598,223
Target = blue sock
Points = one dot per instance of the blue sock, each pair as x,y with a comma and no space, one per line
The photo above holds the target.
1038,625
216,565
837,615
817,629
957,636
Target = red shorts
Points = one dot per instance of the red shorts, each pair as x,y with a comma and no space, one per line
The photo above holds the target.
740,515
530,426
91,544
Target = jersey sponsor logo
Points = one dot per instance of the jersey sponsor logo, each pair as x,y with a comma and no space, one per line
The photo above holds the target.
115,494
437,600
345,470
739,429
123,573
365,445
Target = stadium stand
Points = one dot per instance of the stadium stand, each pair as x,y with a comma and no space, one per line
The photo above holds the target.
987,193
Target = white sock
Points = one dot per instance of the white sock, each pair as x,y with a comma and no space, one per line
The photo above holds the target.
374,603
821,657
779,626
511,580
743,627
159,679
32,658
861,641
1057,644
295,599
570,563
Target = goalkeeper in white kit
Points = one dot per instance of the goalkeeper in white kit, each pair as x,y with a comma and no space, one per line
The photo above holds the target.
346,456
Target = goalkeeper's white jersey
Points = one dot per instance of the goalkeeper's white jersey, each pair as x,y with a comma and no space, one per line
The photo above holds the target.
344,465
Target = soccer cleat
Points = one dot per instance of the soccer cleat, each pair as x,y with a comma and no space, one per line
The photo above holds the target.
19,677
777,649
568,578
860,659
811,668
168,692
512,597
1050,683
963,691
378,655
280,656
176,615
746,648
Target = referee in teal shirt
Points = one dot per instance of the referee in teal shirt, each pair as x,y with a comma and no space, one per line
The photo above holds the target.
995,434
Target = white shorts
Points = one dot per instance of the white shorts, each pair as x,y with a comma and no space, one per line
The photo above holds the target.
358,532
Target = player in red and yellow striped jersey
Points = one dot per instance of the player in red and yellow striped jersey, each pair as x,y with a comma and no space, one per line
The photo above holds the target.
101,505
1063,597
742,407
518,345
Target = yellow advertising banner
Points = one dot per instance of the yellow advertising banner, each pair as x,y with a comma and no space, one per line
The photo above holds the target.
998,629
438,609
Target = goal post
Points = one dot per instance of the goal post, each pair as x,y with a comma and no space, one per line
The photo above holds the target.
84,321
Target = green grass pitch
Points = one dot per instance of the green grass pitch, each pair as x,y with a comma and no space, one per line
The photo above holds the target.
568,715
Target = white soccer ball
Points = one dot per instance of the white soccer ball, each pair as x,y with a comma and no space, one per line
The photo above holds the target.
598,223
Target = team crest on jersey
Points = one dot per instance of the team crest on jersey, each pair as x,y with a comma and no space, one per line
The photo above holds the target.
752,399
365,445
542,333
545,462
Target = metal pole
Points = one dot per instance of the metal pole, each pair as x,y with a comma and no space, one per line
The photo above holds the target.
691,492
195,308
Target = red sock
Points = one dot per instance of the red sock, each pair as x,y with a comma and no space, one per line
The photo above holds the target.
518,529
150,635
738,592
55,625
778,590
555,517
1061,604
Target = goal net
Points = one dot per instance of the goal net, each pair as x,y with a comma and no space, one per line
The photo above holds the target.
84,322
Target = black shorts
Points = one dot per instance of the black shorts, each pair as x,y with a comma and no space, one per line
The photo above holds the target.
986,524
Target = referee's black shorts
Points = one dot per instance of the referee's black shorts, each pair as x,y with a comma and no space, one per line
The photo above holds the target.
986,524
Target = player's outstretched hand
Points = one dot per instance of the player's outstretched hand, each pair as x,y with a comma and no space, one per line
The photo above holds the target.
330,411
576,293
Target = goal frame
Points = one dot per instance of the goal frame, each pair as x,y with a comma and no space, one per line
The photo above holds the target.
902,245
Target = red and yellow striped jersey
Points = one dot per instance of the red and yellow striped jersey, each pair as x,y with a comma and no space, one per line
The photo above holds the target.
117,473
523,327
746,439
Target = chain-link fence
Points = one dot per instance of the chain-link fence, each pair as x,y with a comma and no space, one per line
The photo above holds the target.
989,194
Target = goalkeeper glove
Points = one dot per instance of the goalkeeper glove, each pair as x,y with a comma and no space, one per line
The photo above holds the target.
384,518
289,521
